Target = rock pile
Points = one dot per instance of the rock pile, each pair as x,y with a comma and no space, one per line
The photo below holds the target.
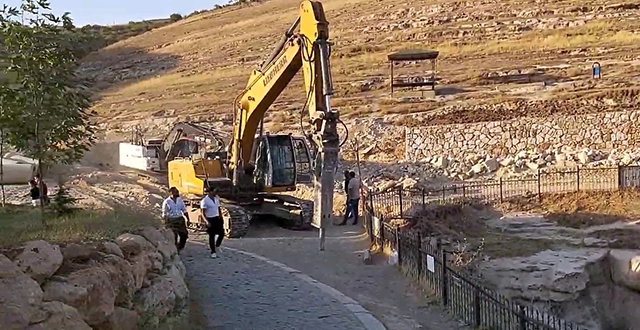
433,172
135,282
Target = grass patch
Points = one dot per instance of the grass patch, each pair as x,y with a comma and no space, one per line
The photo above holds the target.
20,224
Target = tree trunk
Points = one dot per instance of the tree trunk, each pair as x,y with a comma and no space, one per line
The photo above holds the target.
4,201
40,185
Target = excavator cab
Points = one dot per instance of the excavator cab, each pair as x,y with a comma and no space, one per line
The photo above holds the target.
281,161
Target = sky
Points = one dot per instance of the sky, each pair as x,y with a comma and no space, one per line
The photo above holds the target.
109,12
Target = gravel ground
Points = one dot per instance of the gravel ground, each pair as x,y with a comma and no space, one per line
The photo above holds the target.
239,292
380,288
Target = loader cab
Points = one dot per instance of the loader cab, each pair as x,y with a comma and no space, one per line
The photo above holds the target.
281,161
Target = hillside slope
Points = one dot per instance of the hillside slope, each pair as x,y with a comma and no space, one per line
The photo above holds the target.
491,51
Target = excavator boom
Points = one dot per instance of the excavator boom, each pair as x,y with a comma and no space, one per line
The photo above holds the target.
309,50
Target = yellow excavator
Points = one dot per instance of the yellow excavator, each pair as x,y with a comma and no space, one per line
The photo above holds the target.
256,168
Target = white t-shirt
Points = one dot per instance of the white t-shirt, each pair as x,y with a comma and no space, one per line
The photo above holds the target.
210,206
354,188
173,209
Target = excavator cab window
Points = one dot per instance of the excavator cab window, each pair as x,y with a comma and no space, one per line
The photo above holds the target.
184,148
275,164
303,160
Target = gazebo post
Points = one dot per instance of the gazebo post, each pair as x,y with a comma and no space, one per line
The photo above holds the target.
391,83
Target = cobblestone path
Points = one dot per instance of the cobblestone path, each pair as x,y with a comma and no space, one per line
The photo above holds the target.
240,292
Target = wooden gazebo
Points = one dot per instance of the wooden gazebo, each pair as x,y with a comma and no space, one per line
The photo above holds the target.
413,55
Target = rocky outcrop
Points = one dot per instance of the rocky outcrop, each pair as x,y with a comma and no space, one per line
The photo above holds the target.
598,289
136,282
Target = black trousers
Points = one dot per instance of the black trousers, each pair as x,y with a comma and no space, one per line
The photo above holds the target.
179,228
216,227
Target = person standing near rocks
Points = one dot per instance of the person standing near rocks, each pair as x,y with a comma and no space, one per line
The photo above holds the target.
173,213
45,190
353,199
34,193
346,192
210,208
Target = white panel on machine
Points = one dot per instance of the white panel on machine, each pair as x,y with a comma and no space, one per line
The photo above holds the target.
137,157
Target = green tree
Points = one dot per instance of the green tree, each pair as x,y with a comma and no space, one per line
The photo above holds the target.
175,17
49,118
5,121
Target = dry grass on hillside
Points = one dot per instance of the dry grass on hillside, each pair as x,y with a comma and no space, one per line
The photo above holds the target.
197,66
20,224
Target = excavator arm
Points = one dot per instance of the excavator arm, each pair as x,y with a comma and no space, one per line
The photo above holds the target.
309,50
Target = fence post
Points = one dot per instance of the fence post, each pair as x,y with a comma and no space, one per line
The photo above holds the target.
420,259
620,176
398,250
464,192
423,199
373,212
501,192
401,208
523,320
444,194
578,178
539,184
445,286
381,231
476,307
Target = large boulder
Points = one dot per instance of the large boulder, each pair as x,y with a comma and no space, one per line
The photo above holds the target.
157,238
166,295
132,245
20,296
60,316
120,319
625,268
39,260
89,290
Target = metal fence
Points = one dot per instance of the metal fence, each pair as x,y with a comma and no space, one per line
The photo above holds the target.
403,203
457,290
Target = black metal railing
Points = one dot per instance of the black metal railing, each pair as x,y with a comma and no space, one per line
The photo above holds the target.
458,291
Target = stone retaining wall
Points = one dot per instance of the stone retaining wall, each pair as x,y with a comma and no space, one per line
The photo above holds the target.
135,282
602,131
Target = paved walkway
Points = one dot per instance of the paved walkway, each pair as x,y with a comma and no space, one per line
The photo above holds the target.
238,291
380,288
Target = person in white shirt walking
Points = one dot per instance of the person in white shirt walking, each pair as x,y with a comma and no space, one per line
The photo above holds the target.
173,213
210,208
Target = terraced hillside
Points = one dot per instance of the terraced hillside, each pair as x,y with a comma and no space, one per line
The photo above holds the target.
492,51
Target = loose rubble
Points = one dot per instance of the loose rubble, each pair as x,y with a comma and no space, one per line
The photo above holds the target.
135,282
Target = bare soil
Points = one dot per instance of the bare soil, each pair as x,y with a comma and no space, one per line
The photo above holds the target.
533,58
581,209
596,215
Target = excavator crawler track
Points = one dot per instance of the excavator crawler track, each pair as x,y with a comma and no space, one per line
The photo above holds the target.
235,219
300,213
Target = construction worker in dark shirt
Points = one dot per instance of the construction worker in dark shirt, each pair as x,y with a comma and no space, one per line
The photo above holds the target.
347,177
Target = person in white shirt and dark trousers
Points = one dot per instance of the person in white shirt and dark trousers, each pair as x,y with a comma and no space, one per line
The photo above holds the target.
210,208
173,213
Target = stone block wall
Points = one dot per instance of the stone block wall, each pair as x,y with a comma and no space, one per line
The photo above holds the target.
602,131
134,282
